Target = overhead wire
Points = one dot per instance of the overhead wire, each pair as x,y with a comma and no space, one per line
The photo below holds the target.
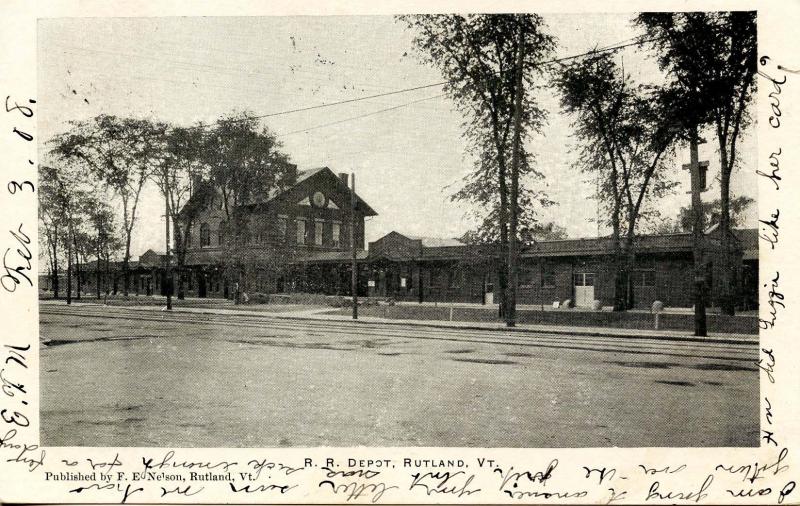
406,90
424,86
557,60
361,115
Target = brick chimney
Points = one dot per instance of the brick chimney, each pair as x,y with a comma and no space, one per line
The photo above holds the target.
344,177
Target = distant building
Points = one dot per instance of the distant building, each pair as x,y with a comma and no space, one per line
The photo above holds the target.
147,276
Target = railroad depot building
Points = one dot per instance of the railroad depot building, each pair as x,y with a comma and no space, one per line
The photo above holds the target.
579,270
299,240
308,227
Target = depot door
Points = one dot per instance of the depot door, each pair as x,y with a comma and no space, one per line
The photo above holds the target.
201,285
488,295
584,289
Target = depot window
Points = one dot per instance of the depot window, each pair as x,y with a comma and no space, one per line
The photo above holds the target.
525,278
301,231
548,278
205,235
336,232
319,226
456,278
282,227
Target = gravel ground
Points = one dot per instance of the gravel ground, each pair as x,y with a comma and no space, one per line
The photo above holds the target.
218,382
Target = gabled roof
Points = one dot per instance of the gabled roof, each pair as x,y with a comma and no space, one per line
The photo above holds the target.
302,175
308,174
305,174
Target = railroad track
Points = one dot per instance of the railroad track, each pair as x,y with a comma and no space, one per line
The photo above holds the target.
733,351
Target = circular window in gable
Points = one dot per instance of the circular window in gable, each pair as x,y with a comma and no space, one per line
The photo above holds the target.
319,199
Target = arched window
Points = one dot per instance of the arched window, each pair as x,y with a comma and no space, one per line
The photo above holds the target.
205,235
222,232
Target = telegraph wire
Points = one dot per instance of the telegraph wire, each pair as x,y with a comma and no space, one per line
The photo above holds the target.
424,86
405,90
360,116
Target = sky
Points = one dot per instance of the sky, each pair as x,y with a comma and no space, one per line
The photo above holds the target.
407,161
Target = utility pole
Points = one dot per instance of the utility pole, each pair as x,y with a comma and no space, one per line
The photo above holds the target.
513,268
354,266
698,236
77,268
167,273
69,262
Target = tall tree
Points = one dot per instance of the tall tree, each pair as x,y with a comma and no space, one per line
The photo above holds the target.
477,55
625,142
246,166
51,220
543,232
712,212
178,174
530,233
65,189
120,152
81,246
482,189
103,240
712,58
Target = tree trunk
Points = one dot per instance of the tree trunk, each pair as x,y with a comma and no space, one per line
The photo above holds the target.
55,263
502,269
126,272
77,269
238,287
698,239
727,282
97,273
105,277
181,282
629,257
168,278
180,257
513,274
502,218
69,270
620,281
